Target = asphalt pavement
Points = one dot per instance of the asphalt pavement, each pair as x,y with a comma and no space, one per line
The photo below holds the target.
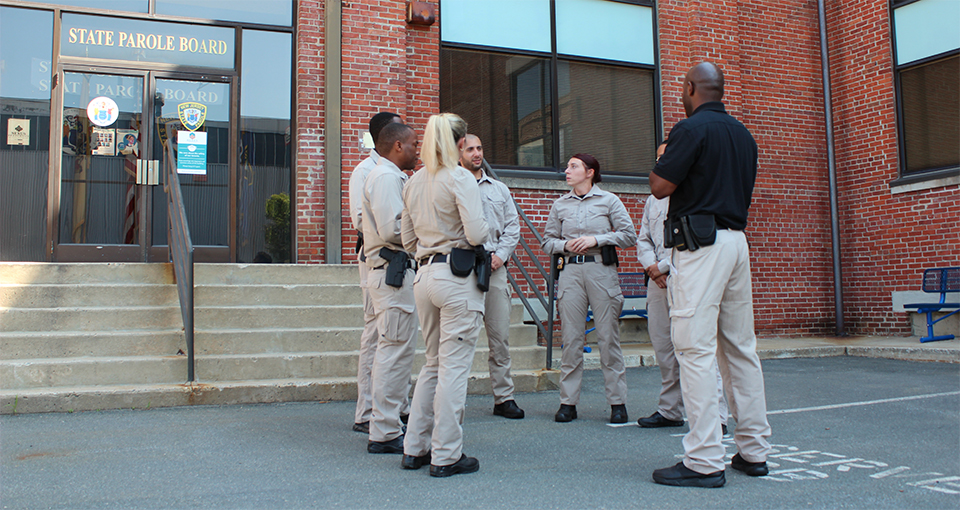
848,432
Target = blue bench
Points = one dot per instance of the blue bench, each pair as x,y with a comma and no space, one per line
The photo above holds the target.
942,281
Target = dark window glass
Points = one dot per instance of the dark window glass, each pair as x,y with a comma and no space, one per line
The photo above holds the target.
271,12
25,100
505,100
265,162
608,112
930,100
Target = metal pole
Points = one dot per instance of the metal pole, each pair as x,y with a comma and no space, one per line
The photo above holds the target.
832,169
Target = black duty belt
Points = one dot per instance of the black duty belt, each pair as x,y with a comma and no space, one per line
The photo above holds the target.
410,264
439,257
580,259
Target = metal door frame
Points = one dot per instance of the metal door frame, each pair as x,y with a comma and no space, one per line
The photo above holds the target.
144,251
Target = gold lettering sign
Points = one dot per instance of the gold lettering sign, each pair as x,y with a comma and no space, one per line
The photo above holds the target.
141,40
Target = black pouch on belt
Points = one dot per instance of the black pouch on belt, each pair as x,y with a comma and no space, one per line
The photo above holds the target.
462,261
483,265
396,268
359,241
703,228
608,254
556,265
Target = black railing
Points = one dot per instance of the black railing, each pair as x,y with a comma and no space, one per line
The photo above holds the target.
546,302
181,253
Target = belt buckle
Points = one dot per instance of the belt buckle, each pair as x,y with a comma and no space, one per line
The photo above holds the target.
579,259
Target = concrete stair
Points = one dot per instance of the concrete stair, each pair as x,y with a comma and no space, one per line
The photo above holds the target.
101,336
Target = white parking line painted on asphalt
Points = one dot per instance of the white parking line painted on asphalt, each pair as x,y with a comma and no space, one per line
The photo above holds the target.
864,403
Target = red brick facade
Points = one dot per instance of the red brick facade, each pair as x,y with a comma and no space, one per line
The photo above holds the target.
770,55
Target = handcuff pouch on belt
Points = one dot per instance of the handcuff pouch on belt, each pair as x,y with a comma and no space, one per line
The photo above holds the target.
398,262
608,255
462,262
690,232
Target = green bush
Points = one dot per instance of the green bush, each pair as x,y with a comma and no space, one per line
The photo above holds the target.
278,230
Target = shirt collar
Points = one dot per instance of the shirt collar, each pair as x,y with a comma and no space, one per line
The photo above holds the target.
384,162
374,155
595,190
716,106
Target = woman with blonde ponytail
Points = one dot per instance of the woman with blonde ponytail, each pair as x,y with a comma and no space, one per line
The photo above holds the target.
442,211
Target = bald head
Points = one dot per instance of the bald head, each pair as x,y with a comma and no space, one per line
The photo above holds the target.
703,84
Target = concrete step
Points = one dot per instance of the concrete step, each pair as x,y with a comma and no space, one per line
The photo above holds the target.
327,339
146,396
329,364
85,371
51,373
241,317
30,273
277,294
71,295
73,344
275,274
105,318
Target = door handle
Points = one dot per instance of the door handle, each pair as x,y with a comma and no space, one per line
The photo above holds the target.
148,172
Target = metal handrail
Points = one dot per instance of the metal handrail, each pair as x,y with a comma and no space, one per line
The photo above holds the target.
181,253
548,301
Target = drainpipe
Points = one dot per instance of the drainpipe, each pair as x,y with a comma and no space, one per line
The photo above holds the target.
332,156
832,167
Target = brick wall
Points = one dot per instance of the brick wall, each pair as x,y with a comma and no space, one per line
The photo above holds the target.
769,52
310,100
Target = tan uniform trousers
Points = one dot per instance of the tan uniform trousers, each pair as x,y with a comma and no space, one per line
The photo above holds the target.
711,308
670,405
451,313
597,286
368,349
496,319
393,363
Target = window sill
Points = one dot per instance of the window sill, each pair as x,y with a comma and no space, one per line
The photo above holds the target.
554,181
930,180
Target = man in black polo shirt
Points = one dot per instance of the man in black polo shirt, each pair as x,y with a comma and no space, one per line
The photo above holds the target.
708,171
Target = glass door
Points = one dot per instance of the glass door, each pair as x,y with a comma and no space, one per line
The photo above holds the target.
121,134
101,204
192,132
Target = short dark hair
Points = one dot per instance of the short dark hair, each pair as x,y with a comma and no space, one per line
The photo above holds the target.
390,134
378,121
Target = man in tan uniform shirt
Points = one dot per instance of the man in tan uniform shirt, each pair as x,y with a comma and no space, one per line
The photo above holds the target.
395,307
368,339
504,222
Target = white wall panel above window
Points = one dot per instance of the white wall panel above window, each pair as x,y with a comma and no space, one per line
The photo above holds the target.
515,24
926,28
607,30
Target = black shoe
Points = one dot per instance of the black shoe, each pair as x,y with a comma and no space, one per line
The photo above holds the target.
394,445
508,409
362,427
404,418
656,420
411,462
566,413
750,468
682,476
618,414
723,428
462,466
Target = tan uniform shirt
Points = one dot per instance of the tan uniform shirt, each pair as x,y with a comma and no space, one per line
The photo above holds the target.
446,210
502,218
357,178
382,209
650,248
599,213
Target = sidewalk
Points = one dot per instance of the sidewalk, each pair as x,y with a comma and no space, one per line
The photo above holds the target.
897,348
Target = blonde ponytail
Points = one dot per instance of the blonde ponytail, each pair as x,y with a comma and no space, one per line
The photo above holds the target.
440,139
